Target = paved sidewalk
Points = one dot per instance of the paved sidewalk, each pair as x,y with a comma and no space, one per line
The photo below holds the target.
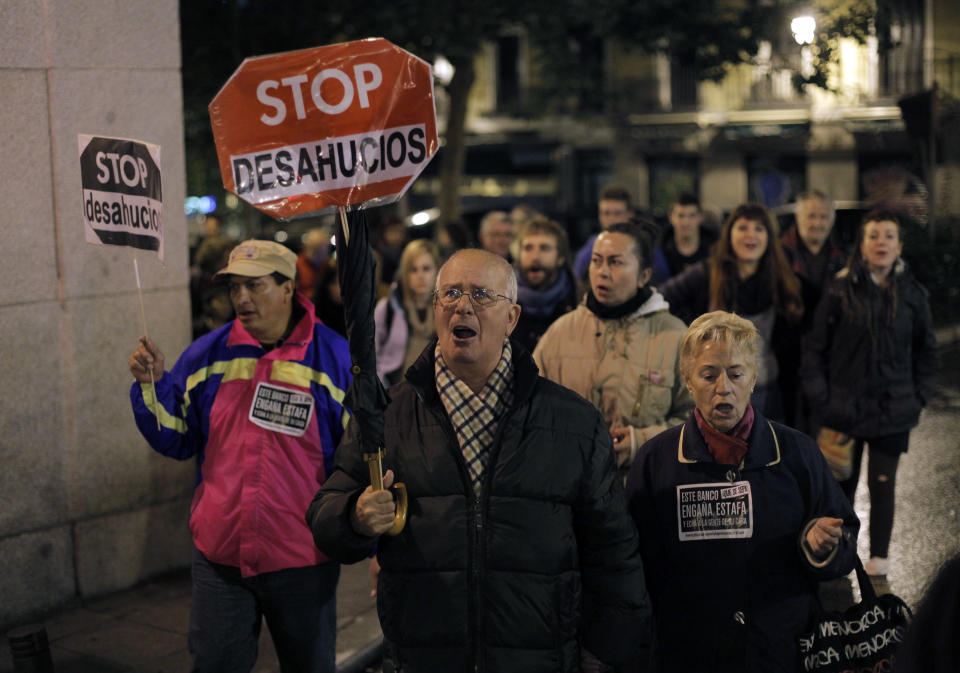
144,629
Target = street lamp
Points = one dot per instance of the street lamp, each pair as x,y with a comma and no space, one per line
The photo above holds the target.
803,28
443,69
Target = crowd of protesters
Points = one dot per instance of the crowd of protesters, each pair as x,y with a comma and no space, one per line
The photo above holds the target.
561,418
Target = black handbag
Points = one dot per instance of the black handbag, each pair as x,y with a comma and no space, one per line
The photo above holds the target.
863,637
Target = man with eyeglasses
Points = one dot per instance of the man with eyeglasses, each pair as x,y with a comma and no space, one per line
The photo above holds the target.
259,402
517,554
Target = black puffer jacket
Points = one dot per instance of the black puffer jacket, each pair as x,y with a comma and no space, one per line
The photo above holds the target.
863,375
517,579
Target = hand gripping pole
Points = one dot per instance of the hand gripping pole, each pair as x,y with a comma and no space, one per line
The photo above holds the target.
375,463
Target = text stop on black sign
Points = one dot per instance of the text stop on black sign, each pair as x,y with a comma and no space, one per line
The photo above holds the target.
122,192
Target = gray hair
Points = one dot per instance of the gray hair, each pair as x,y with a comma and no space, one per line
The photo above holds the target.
493,216
720,327
817,195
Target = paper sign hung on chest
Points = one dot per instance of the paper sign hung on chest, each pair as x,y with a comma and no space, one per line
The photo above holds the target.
333,126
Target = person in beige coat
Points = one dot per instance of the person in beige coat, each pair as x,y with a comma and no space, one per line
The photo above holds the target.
619,347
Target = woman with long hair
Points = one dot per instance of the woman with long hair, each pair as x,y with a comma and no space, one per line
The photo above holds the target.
869,363
747,273
404,319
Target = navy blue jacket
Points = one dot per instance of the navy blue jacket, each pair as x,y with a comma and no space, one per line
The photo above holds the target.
730,583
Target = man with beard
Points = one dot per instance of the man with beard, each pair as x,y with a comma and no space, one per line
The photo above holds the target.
547,288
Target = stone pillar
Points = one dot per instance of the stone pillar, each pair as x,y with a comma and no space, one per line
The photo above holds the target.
834,176
635,177
85,506
723,182
832,162
630,170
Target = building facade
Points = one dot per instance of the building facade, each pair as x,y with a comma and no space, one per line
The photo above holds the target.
752,136
86,507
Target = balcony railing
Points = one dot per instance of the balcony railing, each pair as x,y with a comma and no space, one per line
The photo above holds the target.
743,87
758,87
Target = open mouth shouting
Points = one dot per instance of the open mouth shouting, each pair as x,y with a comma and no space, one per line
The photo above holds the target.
535,274
723,409
463,334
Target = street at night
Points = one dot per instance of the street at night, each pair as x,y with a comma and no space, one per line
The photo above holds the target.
926,530
499,295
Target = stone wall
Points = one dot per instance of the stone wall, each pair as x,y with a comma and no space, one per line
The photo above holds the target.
85,506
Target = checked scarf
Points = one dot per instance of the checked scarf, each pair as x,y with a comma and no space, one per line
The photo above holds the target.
476,416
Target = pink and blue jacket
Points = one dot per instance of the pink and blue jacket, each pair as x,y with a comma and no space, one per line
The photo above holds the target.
264,426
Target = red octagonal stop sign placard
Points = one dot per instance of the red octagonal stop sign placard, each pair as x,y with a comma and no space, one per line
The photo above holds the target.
338,125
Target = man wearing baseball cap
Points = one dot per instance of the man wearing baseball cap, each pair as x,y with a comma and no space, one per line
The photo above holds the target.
259,401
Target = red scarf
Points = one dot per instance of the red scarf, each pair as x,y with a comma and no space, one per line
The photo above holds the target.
727,448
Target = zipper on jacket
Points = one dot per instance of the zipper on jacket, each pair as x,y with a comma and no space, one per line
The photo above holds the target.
474,534
477,540
476,518
476,580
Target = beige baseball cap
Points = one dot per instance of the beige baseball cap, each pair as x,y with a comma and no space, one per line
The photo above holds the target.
260,258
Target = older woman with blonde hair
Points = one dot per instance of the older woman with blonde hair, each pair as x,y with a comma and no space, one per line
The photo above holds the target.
738,516
404,318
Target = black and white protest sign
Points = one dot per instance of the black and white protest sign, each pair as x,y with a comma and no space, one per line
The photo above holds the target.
122,195
281,409
335,163
714,511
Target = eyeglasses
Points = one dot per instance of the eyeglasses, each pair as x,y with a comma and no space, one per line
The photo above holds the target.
480,297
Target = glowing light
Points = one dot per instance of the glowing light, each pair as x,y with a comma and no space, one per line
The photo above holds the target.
281,236
193,205
803,28
443,70
420,218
